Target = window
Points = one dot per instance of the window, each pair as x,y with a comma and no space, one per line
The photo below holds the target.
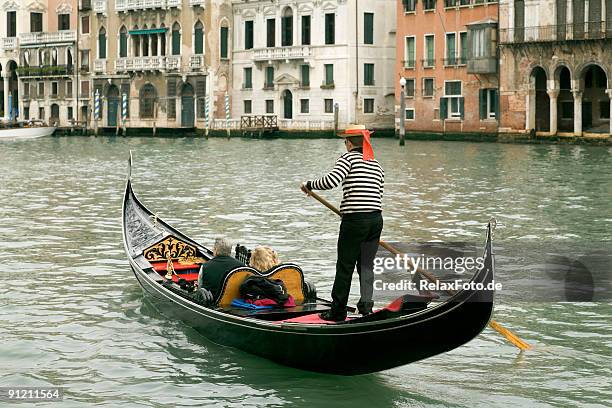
409,6
479,48
428,87
271,32
304,105
287,28
329,105
451,105
176,39
147,101
329,74
409,114
41,113
69,89
604,109
410,53
11,24
269,84
488,102
36,22
248,35
409,90
429,4
70,113
41,90
26,90
102,43
248,106
368,74
368,28
567,110
269,106
224,33
248,78
63,21
85,59
123,42
451,51
54,89
305,30
330,28
85,25
26,112
198,34
429,60
305,71
450,3
463,48
85,89
368,105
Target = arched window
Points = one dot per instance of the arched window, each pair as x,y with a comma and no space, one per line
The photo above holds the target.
54,57
102,43
176,39
26,58
224,38
69,57
287,27
136,43
123,42
145,43
153,39
162,41
198,34
147,101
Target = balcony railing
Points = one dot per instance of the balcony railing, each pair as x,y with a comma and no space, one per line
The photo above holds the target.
409,64
10,43
45,71
562,32
48,37
125,5
173,63
197,3
99,6
100,65
173,3
141,64
455,61
428,62
196,62
281,53
85,5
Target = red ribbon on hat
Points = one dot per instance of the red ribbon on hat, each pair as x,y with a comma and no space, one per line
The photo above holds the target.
368,152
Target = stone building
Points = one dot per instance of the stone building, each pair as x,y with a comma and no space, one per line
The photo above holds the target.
447,52
297,59
556,61
166,56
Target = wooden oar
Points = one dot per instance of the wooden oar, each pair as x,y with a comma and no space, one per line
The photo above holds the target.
510,336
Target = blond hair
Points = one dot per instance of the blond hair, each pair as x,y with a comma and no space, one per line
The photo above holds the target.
263,258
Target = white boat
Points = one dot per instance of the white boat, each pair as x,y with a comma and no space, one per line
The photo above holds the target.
25,130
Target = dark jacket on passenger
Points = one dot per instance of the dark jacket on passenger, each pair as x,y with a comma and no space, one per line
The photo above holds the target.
214,272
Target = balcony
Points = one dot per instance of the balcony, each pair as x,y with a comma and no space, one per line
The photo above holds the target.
173,3
127,5
194,3
49,37
409,64
484,65
99,6
281,53
428,62
173,63
10,43
563,32
46,71
196,62
100,66
455,61
141,64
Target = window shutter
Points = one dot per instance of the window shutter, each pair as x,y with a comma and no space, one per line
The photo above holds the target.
443,108
171,87
201,87
482,99
224,42
461,108
199,41
176,42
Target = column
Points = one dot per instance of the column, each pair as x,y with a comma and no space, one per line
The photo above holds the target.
609,92
577,112
150,46
530,108
296,33
553,95
158,45
6,94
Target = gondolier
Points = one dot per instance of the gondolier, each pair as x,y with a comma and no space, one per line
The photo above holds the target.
362,179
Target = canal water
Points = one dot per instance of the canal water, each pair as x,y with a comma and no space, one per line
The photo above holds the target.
72,315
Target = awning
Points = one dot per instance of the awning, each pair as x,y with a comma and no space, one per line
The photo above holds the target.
148,31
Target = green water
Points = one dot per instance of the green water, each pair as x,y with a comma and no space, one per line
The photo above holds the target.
72,315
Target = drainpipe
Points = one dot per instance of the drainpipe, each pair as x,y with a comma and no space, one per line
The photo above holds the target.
356,57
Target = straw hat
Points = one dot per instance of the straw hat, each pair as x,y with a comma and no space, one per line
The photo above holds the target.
352,130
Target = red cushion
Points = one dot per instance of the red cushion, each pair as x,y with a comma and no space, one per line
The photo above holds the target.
189,277
160,266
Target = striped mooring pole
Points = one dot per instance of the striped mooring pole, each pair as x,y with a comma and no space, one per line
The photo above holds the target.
206,112
10,106
96,110
124,106
227,114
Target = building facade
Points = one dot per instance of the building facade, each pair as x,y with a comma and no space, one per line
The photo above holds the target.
165,57
556,63
447,52
298,59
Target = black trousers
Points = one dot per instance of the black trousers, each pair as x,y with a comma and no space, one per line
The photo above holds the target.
357,246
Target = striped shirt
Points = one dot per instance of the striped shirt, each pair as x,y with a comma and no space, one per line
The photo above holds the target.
362,182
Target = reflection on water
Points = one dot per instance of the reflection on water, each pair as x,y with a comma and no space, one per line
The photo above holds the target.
71,313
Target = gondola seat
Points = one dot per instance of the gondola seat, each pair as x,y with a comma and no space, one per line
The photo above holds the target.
291,275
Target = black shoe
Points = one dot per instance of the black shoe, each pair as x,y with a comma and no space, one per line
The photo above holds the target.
365,308
333,316
365,312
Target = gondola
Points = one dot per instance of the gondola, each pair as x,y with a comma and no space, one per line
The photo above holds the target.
164,261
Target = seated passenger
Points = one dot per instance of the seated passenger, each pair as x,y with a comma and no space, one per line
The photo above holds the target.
264,258
213,272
